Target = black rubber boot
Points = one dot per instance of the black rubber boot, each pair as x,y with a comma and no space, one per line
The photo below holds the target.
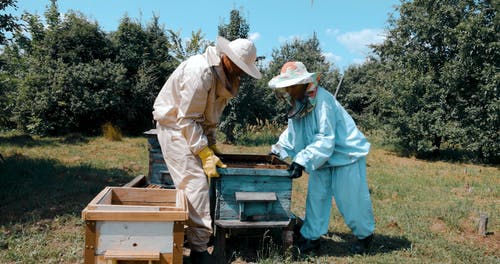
201,257
362,245
306,246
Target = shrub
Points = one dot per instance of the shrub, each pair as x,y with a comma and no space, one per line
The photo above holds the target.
111,132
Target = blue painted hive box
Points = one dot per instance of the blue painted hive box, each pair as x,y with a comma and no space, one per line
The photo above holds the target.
252,188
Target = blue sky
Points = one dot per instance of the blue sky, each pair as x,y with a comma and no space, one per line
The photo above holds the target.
343,27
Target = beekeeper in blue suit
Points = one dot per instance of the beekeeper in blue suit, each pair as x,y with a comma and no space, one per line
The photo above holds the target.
322,139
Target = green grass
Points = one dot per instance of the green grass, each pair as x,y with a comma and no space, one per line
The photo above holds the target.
426,212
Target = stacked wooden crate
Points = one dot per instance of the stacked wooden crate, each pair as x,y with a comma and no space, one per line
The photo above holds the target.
135,225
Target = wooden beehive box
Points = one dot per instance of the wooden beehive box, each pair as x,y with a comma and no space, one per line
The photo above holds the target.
127,224
158,171
253,188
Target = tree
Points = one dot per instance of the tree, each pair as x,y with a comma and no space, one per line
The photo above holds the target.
363,93
145,52
8,22
66,81
244,109
182,50
442,57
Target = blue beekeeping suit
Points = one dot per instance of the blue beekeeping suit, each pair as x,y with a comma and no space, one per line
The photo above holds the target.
327,143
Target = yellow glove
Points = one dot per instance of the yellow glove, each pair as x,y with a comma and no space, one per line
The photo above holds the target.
215,149
210,162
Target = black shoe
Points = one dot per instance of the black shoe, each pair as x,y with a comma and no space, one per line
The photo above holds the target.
305,246
201,257
362,245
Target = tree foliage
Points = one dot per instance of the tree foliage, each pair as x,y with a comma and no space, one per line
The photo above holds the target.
443,58
243,109
8,22
365,95
145,53
70,76
432,86
181,50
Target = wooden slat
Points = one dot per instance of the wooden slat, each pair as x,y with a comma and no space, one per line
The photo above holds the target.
147,203
178,242
129,194
254,172
242,159
181,200
100,195
136,216
255,196
131,255
138,181
90,242
258,224
131,208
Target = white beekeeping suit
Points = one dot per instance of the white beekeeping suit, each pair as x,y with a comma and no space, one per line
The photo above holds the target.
187,110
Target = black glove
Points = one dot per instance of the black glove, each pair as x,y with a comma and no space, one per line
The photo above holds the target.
273,154
296,170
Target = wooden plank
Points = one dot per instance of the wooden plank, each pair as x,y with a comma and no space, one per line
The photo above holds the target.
134,236
147,203
228,208
181,200
231,184
483,224
131,255
90,242
97,199
250,158
258,224
254,171
178,242
131,194
220,249
138,181
168,258
131,208
255,196
136,216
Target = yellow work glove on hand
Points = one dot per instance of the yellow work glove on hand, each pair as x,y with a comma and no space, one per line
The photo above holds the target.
210,162
215,149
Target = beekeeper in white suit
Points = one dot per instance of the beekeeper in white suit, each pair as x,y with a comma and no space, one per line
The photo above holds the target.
187,110
322,139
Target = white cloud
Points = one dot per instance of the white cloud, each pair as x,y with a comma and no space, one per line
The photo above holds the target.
358,61
290,38
332,57
332,32
254,36
358,41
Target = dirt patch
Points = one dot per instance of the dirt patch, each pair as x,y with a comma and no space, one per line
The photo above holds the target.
393,224
438,226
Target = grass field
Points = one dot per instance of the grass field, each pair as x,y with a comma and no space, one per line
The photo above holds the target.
426,212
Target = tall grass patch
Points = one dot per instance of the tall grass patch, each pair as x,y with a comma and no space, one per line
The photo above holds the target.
263,132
